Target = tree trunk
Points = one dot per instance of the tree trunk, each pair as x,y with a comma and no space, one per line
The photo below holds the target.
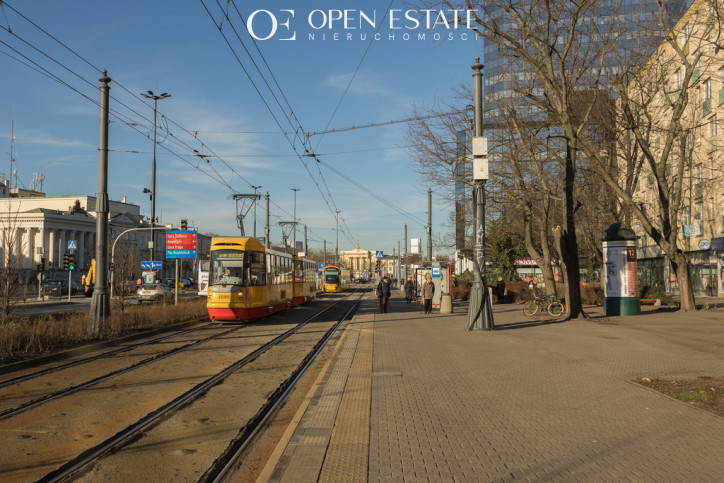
683,277
542,258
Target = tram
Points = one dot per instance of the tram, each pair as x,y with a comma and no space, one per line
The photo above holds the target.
334,279
305,280
248,281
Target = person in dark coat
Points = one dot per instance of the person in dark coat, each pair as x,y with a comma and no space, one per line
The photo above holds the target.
500,290
409,291
383,291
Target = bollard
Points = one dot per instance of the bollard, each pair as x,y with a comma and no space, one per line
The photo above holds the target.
446,304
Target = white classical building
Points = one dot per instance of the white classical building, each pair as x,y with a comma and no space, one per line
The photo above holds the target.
37,227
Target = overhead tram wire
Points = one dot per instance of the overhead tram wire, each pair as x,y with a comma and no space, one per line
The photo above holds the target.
57,79
359,64
371,193
298,129
380,124
176,141
62,82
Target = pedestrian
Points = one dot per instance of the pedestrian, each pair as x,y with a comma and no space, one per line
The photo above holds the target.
500,290
409,290
428,290
383,293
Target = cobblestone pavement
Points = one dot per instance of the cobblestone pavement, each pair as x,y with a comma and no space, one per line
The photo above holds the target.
535,399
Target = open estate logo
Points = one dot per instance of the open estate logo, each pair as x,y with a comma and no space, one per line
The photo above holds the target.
353,24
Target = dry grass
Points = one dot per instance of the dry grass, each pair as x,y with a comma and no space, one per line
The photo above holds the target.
21,338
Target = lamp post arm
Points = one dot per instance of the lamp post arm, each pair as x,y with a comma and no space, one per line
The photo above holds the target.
113,250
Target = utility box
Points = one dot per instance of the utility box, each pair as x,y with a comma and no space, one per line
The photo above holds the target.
619,277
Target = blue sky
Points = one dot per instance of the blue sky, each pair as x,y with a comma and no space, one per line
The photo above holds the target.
175,47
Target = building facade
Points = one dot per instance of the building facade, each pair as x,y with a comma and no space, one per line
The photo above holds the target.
35,228
694,165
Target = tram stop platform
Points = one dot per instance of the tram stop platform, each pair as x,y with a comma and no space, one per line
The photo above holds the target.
415,397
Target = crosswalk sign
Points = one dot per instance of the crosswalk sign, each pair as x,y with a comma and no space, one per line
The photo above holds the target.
72,245
379,254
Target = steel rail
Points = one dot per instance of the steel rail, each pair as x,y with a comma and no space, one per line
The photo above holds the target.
70,468
72,389
226,461
78,362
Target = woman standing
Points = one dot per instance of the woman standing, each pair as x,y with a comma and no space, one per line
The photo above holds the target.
428,290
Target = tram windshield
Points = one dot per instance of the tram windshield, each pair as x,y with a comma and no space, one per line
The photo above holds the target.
227,267
331,275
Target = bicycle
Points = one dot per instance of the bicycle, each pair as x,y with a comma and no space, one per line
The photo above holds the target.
548,304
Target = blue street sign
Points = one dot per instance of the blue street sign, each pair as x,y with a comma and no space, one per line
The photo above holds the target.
180,253
379,254
321,266
152,265
72,245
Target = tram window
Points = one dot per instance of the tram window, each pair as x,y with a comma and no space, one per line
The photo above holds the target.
255,270
277,276
227,267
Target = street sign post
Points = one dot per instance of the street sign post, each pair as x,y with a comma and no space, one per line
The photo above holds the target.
379,254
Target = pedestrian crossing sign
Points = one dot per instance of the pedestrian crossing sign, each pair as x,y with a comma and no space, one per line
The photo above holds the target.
379,254
72,245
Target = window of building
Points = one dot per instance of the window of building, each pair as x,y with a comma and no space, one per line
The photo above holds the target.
713,126
699,211
707,88
711,208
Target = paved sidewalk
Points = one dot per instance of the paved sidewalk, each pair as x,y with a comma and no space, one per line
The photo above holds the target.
534,400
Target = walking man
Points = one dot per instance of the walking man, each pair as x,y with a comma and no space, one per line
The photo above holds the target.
383,292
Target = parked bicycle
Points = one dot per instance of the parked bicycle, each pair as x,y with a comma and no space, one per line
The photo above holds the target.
548,304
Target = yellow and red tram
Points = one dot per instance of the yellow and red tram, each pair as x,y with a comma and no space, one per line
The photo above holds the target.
334,279
248,281
305,280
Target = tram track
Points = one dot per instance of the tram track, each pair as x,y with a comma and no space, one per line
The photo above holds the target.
70,469
20,421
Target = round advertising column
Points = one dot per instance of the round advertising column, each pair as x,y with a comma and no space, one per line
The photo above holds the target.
619,278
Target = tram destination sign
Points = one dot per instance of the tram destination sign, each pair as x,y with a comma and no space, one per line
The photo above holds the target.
181,244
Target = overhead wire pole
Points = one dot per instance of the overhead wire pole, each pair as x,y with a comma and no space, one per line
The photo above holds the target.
267,244
255,199
294,239
480,312
336,250
100,307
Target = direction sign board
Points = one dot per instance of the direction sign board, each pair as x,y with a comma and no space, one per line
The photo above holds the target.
72,245
181,244
152,265
379,254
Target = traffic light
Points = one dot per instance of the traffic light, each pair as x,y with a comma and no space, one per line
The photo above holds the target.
69,261
184,224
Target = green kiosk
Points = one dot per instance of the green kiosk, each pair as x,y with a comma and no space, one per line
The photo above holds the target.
619,277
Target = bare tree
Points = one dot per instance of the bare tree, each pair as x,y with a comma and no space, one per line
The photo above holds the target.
125,265
11,246
663,114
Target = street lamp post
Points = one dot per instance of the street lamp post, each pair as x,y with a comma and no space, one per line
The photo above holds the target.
480,313
151,95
